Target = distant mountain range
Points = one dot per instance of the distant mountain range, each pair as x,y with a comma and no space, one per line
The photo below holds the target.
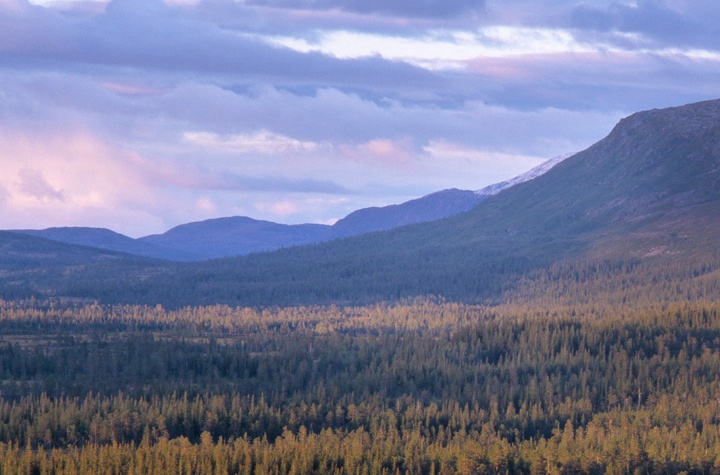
239,235
640,208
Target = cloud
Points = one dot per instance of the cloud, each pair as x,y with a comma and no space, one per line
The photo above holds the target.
404,8
260,142
666,23
149,34
69,178
25,28
279,208
391,154
33,184
448,160
647,17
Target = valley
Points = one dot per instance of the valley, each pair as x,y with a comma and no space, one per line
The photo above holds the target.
569,323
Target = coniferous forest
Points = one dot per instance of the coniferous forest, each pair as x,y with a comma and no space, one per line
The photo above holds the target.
581,370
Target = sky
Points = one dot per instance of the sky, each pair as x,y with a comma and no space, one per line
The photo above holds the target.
140,115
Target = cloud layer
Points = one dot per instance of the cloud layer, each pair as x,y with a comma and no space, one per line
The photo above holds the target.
141,114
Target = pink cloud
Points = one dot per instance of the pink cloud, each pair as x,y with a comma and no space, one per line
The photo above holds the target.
279,208
32,183
395,153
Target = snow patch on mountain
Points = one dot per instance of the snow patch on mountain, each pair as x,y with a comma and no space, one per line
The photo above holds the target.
496,188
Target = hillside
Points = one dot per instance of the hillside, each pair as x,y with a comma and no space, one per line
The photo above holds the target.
641,203
646,195
650,187
227,237
36,267
428,208
105,239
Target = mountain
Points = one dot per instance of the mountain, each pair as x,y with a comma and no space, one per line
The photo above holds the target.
226,237
239,235
646,195
106,239
541,169
235,236
651,186
638,210
428,208
38,267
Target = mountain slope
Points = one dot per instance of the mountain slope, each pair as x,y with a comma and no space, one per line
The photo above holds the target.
106,239
655,177
235,236
641,208
649,190
428,208
225,237
34,266
496,188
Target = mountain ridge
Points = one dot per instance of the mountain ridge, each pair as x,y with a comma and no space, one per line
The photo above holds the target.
239,235
103,238
643,202
648,191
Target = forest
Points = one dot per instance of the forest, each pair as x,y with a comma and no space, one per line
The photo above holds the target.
602,367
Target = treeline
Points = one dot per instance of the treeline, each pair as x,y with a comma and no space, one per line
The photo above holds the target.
420,387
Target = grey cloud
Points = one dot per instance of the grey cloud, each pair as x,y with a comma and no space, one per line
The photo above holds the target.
154,37
45,102
24,27
695,25
658,22
597,81
306,19
327,115
646,17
